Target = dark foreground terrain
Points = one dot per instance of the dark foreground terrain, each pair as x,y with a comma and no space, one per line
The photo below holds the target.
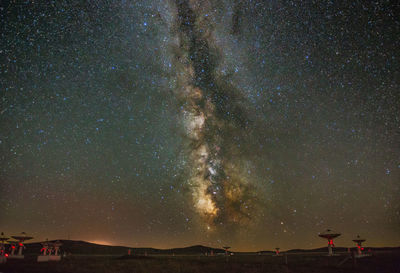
380,262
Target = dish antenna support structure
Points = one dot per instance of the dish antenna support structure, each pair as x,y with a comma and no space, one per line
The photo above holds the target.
50,252
329,235
21,238
13,245
3,254
359,242
226,249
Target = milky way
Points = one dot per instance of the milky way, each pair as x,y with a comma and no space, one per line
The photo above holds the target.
212,117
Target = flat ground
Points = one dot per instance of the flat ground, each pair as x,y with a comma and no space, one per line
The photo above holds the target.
383,262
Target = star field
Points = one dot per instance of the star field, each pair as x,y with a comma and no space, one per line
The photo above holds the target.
172,123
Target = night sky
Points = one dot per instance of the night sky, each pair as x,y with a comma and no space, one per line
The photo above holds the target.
255,124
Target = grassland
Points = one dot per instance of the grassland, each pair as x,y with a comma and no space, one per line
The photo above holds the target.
384,262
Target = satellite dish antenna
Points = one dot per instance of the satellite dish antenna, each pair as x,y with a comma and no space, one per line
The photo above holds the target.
226,249
46,250
3,254
3,237
56,247
359,242
329,235
22,237
50,251
13,245
45,247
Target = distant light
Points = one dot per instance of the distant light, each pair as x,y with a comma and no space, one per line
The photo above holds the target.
101,242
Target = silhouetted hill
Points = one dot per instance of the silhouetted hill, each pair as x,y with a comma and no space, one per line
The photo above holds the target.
86,248
266,252
321,249
197,249
81,248
341,249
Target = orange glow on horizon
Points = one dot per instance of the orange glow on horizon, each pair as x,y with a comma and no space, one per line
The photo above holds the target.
101,242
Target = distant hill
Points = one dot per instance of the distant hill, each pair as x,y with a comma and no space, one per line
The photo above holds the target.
81,248
86,248
197,249
341,249
321,249
266,252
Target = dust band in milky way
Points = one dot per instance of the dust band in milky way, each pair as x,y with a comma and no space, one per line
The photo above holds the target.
221,193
